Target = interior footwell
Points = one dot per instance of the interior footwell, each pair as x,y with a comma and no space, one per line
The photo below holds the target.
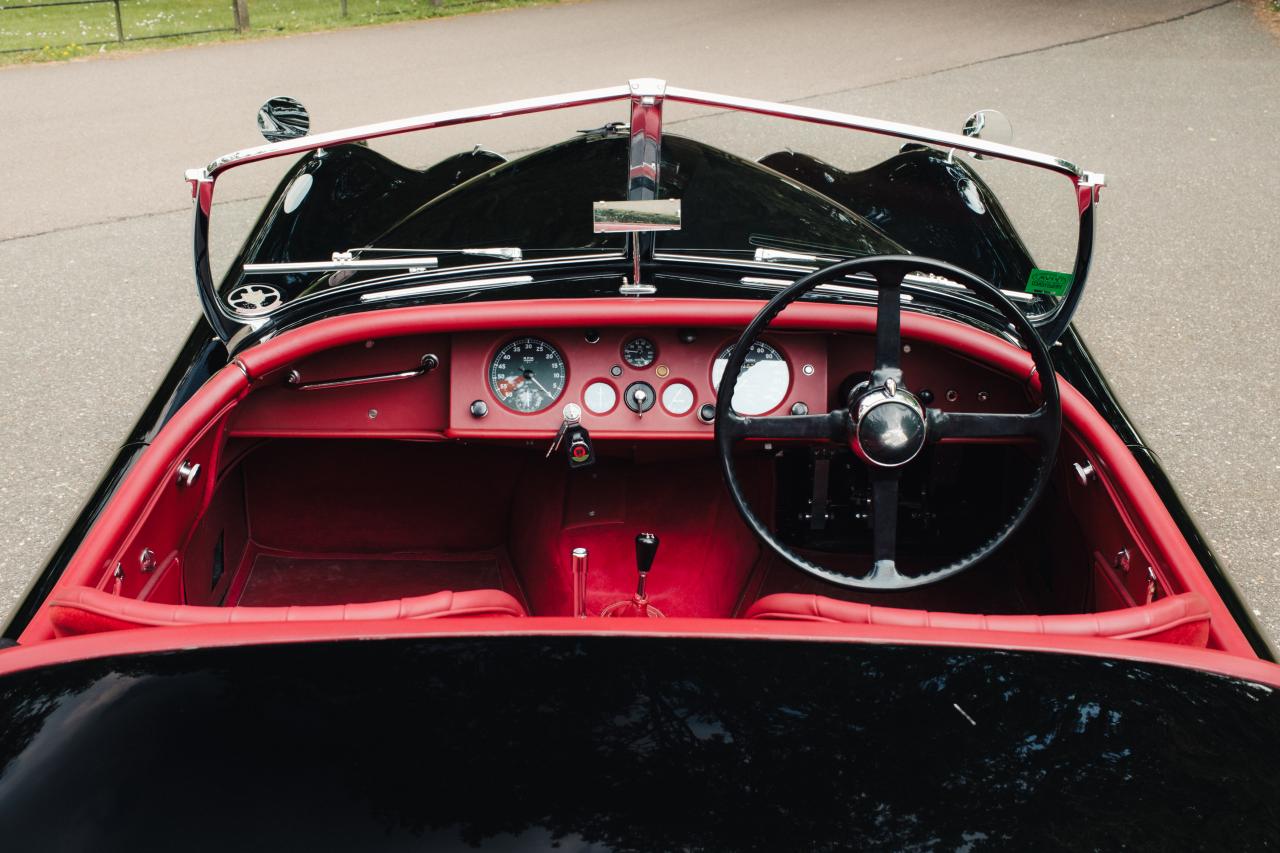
319,579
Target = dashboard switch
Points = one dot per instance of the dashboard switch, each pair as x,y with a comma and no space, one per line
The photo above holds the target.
707,413
639,397
479,409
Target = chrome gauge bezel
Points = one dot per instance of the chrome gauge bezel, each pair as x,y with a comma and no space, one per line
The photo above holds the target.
652,352
556,389
722,354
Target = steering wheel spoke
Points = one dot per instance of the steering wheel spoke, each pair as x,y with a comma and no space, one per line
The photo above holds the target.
888,325
884,528
1038,424
832,426
887,426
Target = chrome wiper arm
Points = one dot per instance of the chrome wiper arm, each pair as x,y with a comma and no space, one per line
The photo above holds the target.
776,256
799,264
414,260
505,253
345,261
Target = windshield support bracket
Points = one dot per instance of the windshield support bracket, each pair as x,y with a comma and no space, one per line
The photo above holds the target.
647,95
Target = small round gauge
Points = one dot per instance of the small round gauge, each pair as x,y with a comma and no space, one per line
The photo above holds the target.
527,375
763,382
639,352
677,398
599,398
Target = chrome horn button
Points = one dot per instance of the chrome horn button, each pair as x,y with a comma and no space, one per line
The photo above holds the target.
888,426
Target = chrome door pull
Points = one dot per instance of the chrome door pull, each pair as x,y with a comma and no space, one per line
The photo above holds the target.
428,364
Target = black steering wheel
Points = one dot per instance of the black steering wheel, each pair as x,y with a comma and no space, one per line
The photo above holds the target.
885,424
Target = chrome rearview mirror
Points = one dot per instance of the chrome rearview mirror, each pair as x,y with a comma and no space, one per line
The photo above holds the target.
990,125
610,217
283,118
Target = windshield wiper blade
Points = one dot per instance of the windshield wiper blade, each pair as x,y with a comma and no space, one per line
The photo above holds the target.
773,256
345,261
505,253
349,260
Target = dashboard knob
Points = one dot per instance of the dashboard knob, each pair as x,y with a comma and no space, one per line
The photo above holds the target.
639,397
479,409
707,413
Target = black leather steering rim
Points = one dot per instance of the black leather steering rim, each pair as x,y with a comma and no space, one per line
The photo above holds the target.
841,425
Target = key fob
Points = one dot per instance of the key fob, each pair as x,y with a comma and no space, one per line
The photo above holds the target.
577,442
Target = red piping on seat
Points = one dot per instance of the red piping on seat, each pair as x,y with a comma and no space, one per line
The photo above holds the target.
81,610
1182,619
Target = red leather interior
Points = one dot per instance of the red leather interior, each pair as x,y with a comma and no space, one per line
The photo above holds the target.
115,536
1181,619
81,610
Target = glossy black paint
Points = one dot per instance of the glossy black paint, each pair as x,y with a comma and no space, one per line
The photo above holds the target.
355,195
544,201
631,745
931,204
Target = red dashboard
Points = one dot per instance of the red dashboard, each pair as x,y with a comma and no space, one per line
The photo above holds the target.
328,394
676,382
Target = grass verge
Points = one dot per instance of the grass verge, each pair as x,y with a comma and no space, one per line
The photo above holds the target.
52,33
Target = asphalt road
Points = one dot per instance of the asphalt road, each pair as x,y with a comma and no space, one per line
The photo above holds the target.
1178,102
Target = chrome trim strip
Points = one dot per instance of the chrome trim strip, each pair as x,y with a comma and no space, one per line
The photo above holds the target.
829,287
771,266
646,96
407,125
446,287
334,265
872,125
452,273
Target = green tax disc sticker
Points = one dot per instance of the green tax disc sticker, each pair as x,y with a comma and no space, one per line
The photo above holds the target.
1048,282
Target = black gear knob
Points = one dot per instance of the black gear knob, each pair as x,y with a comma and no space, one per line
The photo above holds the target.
646,550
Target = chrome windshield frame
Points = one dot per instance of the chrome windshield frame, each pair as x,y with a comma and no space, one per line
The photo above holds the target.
644,97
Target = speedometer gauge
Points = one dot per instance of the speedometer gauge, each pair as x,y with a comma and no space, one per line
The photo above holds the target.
527,375
763,382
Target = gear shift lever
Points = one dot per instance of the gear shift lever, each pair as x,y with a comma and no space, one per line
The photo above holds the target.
646,550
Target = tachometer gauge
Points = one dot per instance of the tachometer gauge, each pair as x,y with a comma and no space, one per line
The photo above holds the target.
527,375
639,352
763,382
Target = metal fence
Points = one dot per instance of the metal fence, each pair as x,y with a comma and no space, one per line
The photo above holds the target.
115,27
121,34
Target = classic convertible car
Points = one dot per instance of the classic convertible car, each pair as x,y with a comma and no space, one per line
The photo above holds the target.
442,531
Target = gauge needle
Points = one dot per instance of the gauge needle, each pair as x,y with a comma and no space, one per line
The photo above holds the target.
535,381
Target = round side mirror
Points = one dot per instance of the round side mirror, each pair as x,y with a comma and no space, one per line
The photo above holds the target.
283,118
991,125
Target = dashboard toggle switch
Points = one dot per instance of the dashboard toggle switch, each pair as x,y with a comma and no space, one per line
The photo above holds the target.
639,397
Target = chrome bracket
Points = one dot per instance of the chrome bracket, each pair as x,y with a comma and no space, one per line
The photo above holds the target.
1084,472
294,379
629,289
187,473
147,560
647,94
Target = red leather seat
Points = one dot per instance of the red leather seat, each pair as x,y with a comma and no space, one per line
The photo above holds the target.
1181,619
83,610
